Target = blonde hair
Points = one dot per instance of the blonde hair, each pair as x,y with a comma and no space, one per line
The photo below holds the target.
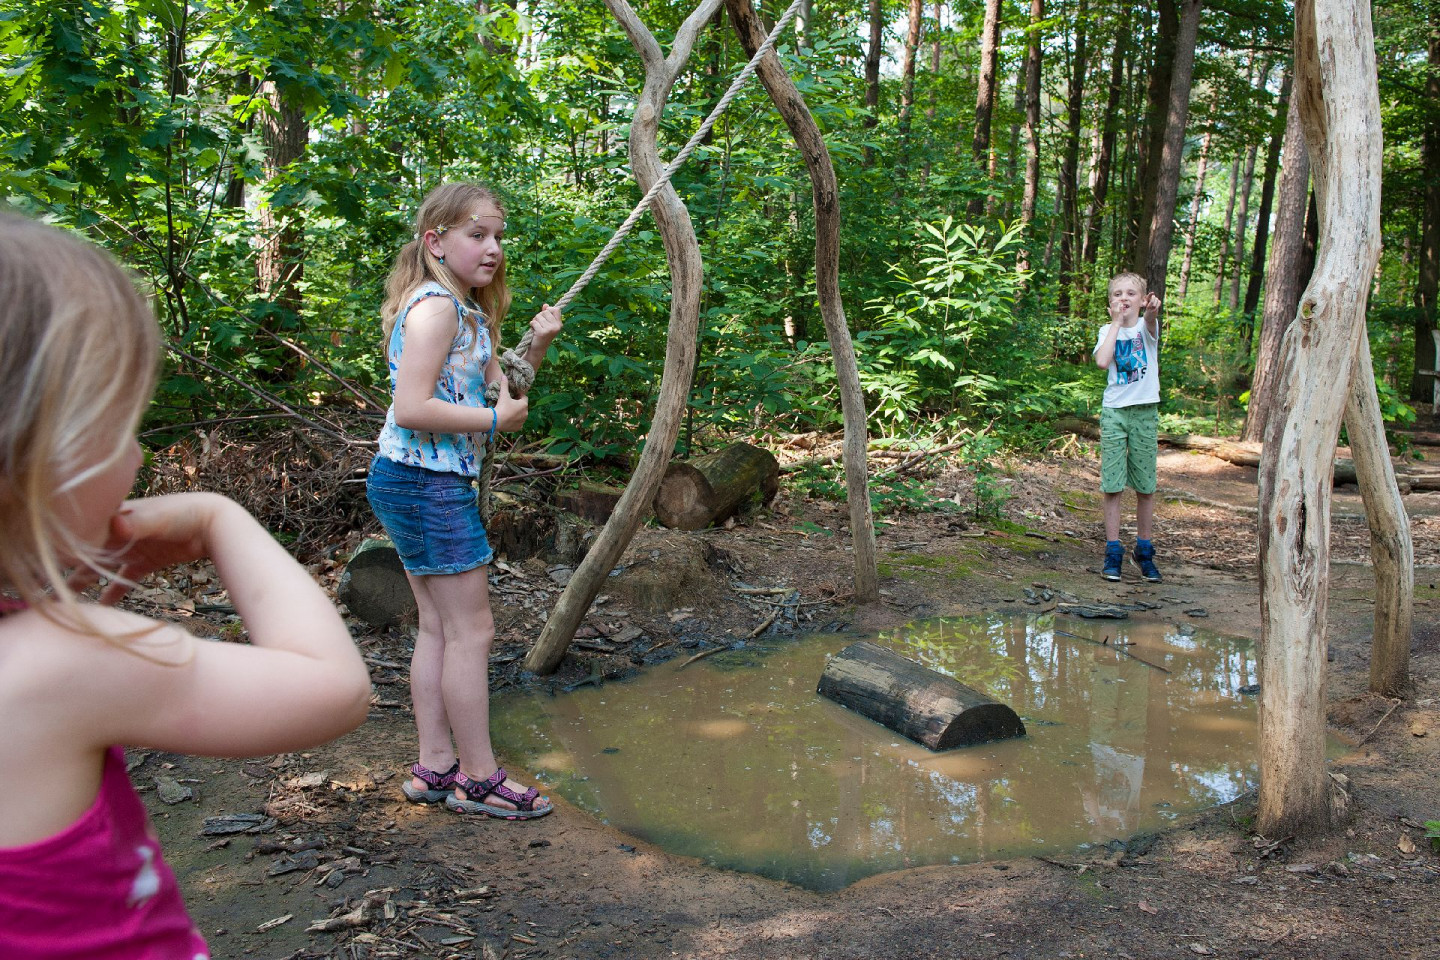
78,354
448,206
1128,275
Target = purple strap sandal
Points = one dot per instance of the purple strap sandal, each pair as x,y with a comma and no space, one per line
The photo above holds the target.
438,786
527,805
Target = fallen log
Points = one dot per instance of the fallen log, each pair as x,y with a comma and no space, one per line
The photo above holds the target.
920,704
374,585
711,488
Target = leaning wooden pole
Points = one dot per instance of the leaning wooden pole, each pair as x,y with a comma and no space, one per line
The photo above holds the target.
682,253
1339,103
827,283
1391,549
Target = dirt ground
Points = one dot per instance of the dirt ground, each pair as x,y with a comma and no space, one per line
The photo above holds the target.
337,846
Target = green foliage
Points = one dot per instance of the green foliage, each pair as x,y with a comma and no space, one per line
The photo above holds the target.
1432,833
987,494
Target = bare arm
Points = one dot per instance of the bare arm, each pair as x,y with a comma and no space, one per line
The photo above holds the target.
544,328
1105,350
429,332
1152,315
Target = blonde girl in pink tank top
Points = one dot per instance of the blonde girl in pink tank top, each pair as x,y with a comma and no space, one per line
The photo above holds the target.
81,875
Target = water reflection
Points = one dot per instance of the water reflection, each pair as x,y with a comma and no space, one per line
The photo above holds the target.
736,760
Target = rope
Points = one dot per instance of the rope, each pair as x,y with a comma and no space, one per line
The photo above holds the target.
518,371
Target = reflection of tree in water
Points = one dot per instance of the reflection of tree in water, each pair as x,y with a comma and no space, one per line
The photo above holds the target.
964,650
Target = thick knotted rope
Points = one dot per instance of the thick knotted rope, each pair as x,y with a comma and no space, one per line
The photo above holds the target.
518,371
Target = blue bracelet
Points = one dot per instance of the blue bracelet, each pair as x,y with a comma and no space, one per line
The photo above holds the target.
494,422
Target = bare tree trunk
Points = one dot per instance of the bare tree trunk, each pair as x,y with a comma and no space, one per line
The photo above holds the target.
1070,163
1284,280
1242,217
1157,109
1012,162
682,253
1090,247
1221,265
985,98
907,95
1195,204
280,267
1262,219
872,75
806,132
1167,184
1340,109
1391,549
1032,125
1427,282
934,74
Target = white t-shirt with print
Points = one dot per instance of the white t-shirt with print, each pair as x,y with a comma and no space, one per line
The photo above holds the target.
1133,376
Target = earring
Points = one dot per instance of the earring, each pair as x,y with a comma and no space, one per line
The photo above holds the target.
442,260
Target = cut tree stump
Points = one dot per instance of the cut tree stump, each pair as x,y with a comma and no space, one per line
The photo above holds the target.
374,587
710,489
927,707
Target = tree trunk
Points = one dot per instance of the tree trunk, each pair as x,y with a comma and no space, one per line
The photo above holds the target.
1070,163
985,98
1090,247
1283,282
1220,266
1167,183
1032,125
1242,217
807,136
1195,203
1391,549
281,264
1427,283
939,11
682,253
1262,219
872,74
1157,110
930,708
907,89
1340,109
711,488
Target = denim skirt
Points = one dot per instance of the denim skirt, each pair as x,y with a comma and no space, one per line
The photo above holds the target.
432,518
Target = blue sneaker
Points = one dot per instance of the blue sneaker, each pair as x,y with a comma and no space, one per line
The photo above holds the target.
1145,559
1114,558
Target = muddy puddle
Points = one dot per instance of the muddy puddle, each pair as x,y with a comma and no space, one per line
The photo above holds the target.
735,760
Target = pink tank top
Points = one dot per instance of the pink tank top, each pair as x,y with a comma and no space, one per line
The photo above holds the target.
98,890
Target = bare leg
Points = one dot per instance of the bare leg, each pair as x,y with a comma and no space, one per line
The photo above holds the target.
1112,515
462,602
431,722
1144,515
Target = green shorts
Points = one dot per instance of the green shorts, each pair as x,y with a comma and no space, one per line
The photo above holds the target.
1128,447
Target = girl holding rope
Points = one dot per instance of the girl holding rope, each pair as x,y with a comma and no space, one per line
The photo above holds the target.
444,302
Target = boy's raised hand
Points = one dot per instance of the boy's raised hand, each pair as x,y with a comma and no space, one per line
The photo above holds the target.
1152,307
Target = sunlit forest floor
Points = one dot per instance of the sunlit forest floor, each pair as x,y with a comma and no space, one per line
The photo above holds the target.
342,850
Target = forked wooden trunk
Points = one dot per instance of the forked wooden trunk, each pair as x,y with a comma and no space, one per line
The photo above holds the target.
927,707
713,487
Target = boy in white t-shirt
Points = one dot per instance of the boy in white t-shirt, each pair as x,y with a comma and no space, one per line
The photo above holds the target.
1129,351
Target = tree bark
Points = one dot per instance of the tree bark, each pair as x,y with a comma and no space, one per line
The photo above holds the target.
1070,163
1167,184
1283,282
1340,109
1158,103
1221,264
1427,283
711,488
930,708
807,136
1242,218
985,99
1032,125
1104,160
872,75
1195,203
907,88
682,253
1391,548
1262,218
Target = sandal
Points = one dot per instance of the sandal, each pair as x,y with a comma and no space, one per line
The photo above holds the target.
438,785
527,805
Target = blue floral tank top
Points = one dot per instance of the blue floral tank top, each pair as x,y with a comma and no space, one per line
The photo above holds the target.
461,381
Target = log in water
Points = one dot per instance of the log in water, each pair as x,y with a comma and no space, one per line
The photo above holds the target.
927,707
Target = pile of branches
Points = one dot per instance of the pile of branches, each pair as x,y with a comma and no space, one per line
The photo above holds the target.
306,487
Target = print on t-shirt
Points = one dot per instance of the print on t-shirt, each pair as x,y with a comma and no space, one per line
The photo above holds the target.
1129,360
